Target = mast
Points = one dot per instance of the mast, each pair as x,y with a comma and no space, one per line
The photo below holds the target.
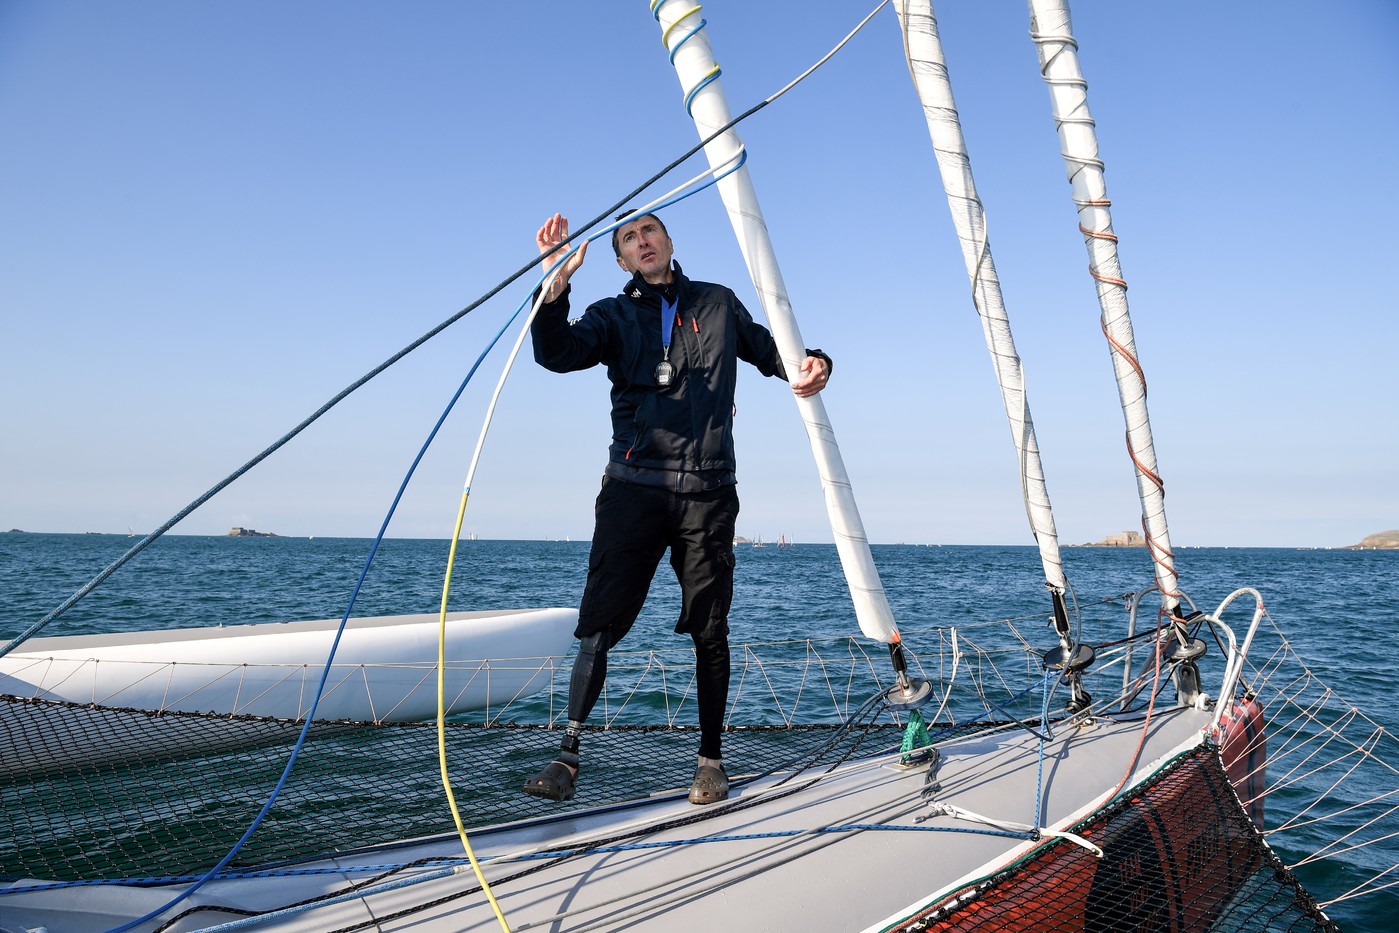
684,35
1052,32
928,66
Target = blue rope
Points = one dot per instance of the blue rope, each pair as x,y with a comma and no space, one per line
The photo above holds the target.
990,705
707,79
1039,762
686,38
339,899
159,881
704,83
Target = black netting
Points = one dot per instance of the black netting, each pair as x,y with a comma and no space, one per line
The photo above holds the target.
1179,854
173,808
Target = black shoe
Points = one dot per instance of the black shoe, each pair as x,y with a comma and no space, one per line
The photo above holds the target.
556,781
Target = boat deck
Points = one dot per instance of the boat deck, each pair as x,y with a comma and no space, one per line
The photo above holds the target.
804,850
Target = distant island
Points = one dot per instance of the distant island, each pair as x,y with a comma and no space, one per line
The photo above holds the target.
1385,540
1126,539
237,532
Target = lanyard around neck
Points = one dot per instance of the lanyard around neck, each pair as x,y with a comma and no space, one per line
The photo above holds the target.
667,322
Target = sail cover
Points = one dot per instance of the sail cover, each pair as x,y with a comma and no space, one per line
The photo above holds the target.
683,32
926,62
1052,32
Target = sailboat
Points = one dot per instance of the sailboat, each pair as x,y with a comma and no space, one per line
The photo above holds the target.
1109,775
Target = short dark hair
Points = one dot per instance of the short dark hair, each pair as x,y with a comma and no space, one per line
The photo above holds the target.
616,243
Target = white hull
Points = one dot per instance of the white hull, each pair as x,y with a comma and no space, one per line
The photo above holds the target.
385,667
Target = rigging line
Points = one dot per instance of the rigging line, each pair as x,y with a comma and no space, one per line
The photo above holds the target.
1362,890
149,881
1309,736
1341,846
340,396
687,892
306,907
827,57
710,881
1037,816
1146,720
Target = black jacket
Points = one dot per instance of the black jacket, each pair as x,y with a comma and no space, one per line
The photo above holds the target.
687,427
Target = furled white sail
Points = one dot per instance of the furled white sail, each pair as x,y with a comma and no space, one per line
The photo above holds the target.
682,31
1052,31
923,50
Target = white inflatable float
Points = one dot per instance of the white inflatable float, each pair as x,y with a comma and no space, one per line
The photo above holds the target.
385,667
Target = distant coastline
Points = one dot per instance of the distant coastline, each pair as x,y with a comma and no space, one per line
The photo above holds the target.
1384,541
1381,541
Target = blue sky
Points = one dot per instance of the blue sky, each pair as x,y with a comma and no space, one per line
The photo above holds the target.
213,217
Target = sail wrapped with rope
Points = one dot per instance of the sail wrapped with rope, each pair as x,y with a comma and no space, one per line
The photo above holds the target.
928,66
684,35
1052,31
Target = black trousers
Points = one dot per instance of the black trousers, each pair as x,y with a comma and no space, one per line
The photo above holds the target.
634,527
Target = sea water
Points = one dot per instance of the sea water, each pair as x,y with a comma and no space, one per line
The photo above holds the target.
1340,608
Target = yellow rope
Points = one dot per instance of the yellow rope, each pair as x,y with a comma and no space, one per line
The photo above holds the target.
665,34
442,714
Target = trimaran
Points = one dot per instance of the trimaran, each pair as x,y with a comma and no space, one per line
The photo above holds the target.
977,782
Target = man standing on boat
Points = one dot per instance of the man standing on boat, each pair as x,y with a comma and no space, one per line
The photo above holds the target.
671,347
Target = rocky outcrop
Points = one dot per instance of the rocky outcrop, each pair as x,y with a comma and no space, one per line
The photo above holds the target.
1385,540
1126,539
237,532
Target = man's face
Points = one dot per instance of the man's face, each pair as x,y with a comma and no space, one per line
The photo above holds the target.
646,248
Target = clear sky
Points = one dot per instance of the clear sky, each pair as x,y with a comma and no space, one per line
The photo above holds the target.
214,216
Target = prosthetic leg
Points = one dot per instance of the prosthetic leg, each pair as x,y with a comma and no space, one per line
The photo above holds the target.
559,777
